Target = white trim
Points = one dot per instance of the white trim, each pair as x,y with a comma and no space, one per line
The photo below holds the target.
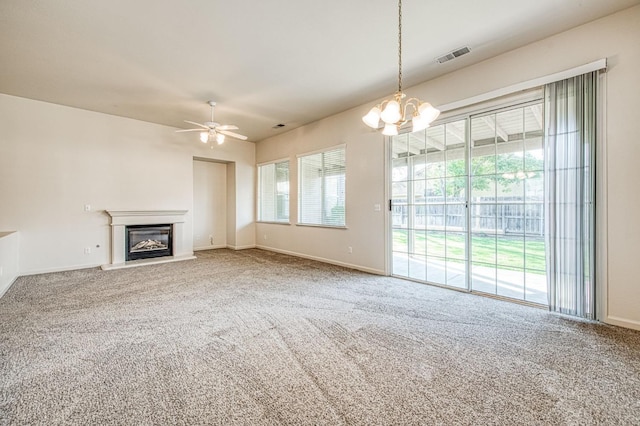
323,260
4,290
146,217
147,262
213,247
266,163
526,85
602,242
315,225
61,269
388,250
512,100
623,322
249,246
319,151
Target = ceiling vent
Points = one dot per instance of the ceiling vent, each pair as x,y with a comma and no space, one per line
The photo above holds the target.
452,55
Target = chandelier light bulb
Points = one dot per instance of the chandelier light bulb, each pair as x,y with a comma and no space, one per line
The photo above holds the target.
419,123
372,119
220,138
394,112
390,129
204,137
427,112
391,113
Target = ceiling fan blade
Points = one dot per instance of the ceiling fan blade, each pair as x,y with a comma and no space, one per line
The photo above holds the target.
227,127
233,135
197,124
189,130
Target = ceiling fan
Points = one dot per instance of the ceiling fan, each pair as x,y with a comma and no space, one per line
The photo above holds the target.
210,130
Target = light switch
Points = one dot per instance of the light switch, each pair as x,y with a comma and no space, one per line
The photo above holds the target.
376,207
87,207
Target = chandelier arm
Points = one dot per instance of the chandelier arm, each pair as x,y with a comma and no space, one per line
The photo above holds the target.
403,119
396,108
415,104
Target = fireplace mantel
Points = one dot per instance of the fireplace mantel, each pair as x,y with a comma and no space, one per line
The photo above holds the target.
120,219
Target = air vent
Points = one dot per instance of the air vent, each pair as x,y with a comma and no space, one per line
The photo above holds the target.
278,126
452,55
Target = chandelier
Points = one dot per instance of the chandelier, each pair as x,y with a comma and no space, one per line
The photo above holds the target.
396,112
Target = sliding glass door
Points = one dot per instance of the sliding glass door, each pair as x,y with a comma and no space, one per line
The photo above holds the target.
429,221
507,204
467,204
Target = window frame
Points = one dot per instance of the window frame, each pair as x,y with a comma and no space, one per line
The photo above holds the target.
259,197
323,151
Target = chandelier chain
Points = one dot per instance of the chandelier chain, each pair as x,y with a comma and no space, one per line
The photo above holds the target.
398,111
399,45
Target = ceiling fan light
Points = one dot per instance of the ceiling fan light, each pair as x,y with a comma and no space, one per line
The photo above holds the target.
390,129
391,113
427,112
372,119
220,138
204,137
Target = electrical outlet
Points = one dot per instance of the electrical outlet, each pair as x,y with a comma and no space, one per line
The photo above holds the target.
265,236
87,250
87,207
1,270
211,239
350,250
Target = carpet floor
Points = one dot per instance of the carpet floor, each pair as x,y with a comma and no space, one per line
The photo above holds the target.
259,338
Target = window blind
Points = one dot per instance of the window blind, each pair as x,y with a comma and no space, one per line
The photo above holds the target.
322,188
273,192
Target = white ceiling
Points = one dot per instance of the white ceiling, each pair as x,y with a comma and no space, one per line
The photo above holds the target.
264,62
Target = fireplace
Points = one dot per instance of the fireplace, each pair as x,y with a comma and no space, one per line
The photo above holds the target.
123,219
148,241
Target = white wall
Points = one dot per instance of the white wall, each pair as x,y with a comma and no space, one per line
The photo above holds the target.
9,247
54,160
364,188
616,38
209,205
231,205
240,159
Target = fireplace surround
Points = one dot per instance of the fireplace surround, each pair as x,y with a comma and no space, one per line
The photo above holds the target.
121,219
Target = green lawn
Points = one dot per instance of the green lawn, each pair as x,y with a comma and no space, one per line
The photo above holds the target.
507,252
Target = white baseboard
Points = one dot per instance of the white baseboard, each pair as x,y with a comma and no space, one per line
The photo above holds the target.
241,247
185,255
218,246
622,322
324,260
146,262
60,269
4,290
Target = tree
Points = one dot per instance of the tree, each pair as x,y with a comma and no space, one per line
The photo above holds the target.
450,178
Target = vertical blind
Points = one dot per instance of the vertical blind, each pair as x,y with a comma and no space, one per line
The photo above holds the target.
273,192
322,188
570,120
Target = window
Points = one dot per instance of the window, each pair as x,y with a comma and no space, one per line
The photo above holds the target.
273,192
322,188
